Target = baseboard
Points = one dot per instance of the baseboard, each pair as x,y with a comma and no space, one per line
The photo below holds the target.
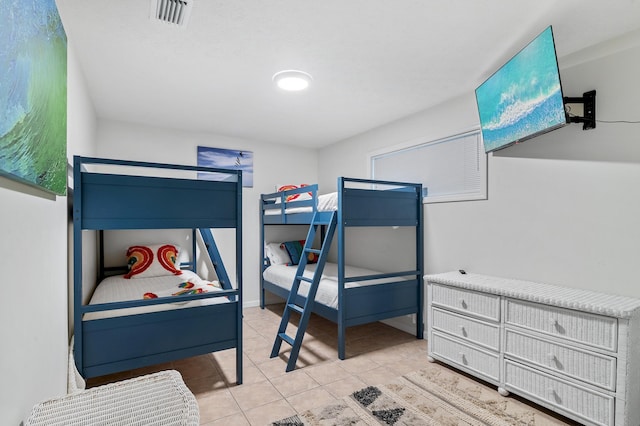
250,304
404,323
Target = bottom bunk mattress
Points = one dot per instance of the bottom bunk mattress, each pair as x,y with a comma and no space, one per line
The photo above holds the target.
120,289
283,276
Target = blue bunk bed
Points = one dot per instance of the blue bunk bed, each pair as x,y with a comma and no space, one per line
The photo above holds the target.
108,195
360,203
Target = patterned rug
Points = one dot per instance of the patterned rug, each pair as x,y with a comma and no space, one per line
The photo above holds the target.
426,397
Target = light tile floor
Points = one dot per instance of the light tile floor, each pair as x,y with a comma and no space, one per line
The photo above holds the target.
376,353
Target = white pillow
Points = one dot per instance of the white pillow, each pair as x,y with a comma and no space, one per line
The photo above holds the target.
276,254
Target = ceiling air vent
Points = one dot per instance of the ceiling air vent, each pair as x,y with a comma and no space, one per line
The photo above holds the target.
174,12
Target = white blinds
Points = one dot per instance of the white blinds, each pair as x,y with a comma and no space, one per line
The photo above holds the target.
452,169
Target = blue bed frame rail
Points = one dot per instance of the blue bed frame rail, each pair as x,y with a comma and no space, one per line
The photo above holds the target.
277,206
361,203
105,201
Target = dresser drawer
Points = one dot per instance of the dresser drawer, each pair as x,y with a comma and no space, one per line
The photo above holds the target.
577,400
467,328
593,368
590,329
479,304
466,356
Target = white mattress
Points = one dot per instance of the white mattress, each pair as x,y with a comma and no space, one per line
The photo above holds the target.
119,289
283,276
326,203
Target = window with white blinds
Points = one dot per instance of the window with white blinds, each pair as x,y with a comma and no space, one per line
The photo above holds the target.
452,168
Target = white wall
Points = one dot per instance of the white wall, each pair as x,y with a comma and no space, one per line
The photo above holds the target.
81,130
33,306
273,164
562,208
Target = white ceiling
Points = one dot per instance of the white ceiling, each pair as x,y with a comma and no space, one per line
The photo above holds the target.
373,61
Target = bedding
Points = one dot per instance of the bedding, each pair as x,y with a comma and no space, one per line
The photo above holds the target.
283,276
326,203
119,289
183,289
277,254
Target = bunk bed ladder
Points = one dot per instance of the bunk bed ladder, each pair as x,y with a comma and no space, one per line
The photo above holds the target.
319,218
216,259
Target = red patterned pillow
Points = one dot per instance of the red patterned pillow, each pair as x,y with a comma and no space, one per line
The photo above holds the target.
152,261
295,197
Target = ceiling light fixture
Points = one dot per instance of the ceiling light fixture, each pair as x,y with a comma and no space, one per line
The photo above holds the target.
292,80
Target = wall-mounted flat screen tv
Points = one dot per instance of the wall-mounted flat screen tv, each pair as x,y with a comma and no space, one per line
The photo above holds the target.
524,97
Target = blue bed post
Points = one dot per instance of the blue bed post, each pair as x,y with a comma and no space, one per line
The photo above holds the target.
341,271
194,264
420,264
261,252
239,276
77,265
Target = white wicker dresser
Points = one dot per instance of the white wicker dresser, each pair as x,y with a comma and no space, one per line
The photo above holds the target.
573,351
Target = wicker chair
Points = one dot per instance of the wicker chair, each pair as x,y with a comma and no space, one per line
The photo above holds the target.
156,399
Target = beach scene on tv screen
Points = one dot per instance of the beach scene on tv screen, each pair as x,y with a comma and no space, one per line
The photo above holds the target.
524,97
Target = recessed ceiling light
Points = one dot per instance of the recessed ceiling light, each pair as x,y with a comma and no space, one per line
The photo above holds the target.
292,80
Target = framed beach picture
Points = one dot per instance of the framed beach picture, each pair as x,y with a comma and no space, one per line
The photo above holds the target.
33,94
226,159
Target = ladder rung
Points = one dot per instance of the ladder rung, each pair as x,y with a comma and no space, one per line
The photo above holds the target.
316,251
295,307
286,338
301,278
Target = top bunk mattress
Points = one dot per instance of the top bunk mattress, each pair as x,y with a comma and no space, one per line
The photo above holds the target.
326,203
119,289
283,276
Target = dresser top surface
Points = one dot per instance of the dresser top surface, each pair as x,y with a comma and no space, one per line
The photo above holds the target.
566,297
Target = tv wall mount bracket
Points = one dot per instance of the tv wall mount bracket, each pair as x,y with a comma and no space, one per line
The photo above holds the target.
588,101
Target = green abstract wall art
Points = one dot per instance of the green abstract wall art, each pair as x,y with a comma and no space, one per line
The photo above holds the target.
33,94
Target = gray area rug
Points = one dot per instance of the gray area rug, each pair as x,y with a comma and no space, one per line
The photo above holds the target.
425,397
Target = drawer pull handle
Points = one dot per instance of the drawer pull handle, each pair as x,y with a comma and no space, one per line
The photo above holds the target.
463,358
554,395
463,303
555,362
556,326
463,331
